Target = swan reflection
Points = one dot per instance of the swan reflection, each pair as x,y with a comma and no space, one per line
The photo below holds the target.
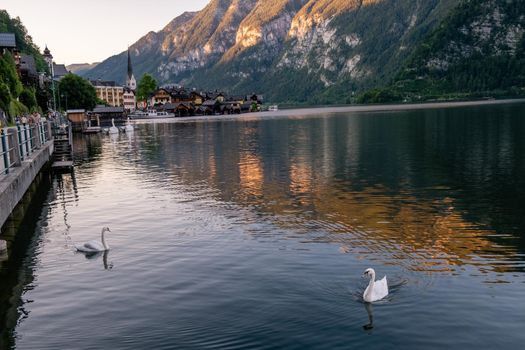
96,255
370,312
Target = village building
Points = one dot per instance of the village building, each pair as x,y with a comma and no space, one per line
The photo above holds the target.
196,98
181,96
104,114
7,43
181,102
27,70
211,107
77,118
217,96
179,109
109,92
48,57
160,97
59,71
129,100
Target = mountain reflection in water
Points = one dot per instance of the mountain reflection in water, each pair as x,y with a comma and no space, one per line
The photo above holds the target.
432,191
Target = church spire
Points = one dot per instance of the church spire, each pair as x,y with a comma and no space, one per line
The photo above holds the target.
130,68
131,83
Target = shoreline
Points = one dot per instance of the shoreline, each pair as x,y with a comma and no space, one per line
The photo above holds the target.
311,111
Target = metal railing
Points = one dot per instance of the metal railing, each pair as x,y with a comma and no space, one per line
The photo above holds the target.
18,143
6,152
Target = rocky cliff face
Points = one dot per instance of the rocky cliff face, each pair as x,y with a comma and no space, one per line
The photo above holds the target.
297,50
478,50
491,28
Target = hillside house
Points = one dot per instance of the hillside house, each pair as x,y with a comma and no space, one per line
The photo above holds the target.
7,43
27,70
160,97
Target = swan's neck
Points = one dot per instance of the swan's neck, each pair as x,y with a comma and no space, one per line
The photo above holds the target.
370,288
113,122
103,239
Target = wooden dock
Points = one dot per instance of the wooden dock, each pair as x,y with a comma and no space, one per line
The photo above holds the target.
63,150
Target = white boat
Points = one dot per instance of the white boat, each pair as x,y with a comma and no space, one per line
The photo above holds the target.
155,114
273,108
150,114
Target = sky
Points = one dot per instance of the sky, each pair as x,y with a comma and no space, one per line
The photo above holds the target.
87,31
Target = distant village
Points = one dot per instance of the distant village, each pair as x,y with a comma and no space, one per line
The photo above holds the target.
119,101
169,100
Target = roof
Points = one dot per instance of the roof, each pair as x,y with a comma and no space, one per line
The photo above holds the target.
166,90
75,111
7,40
237,98
169,106
104,109
102,83
214,95
209,103
27,63
179,94
60,70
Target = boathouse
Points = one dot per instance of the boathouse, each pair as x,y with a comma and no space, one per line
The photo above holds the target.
105,114
180,109
77,117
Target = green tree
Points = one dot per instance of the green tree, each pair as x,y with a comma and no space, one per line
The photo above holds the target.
5,96
146,86
77,92
28,98
9,75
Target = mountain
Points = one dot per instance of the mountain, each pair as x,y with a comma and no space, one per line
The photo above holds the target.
479,50
310,51
80,68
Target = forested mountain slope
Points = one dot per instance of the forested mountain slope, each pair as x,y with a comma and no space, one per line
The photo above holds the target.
326,51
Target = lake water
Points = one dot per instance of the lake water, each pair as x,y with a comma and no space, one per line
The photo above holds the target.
254,234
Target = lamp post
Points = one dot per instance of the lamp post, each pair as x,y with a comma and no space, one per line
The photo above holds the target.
64,95
53,86
59,95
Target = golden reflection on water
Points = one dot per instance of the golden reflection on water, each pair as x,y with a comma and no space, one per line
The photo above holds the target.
292,181
251,175
420,234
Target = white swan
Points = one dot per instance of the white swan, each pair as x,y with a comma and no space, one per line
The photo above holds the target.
376,290
95,246
129,126
113,129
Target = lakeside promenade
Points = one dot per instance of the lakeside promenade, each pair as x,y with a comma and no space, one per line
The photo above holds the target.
24,151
